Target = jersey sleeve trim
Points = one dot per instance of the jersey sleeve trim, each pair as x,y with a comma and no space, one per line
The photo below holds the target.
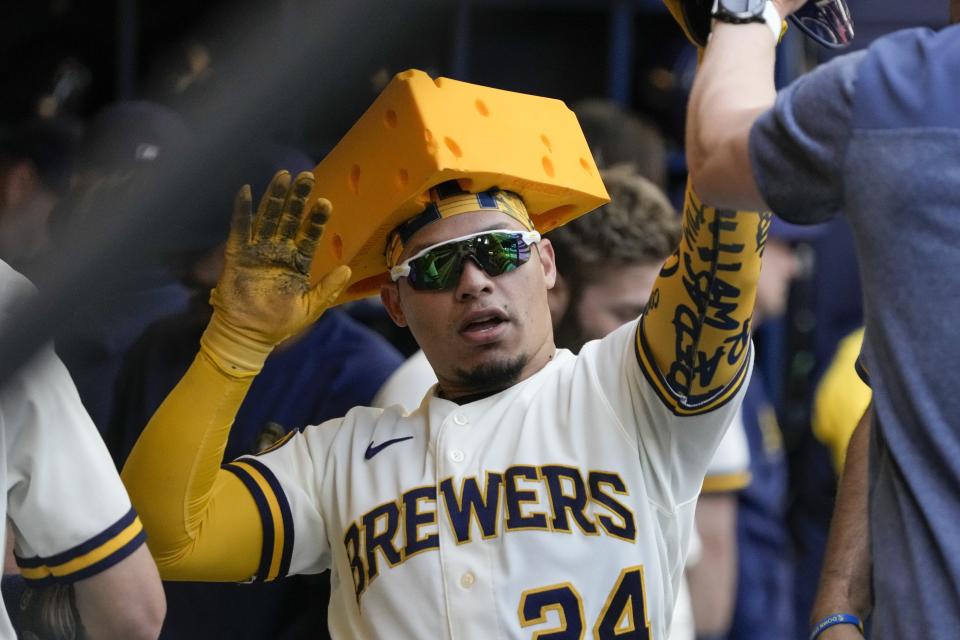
726,482
275,515
89,558
678,403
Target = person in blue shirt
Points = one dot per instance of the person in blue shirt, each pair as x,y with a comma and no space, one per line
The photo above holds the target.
873,136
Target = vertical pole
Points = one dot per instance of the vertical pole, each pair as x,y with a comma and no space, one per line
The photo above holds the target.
293,124
128,43
620,62
460,47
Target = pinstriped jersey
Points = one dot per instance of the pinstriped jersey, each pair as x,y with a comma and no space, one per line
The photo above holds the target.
69,512
562,503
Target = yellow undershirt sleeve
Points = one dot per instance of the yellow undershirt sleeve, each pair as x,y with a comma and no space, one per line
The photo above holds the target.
693,342
202,521
840,400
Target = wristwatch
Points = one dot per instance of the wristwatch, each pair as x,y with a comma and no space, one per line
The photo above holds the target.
749,11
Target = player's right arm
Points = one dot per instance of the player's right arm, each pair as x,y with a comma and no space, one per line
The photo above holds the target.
204,521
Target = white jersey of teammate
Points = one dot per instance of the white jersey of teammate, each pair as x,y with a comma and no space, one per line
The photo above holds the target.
564,502
69,512
729,469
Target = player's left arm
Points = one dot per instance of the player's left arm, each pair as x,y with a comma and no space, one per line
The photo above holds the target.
693,341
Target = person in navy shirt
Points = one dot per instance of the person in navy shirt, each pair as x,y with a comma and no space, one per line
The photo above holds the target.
873,136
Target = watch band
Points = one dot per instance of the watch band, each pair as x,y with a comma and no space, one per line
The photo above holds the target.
773,20
768,16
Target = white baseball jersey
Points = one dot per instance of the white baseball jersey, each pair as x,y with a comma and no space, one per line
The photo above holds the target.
560,505
729,470
69,512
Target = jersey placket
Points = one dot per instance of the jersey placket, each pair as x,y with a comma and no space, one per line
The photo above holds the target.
466,566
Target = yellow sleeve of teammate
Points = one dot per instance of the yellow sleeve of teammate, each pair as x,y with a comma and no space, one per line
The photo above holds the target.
693,341
203,523
840,400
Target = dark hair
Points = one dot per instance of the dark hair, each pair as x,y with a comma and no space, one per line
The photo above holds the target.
638,226
618,137
51,145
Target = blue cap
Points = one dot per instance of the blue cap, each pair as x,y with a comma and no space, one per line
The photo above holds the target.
132,133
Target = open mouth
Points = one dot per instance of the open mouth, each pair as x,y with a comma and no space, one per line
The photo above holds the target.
483,323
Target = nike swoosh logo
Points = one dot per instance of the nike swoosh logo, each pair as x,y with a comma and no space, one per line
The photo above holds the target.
373,449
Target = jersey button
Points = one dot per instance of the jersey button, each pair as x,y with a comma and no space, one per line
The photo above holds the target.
460,419
467,580
457,456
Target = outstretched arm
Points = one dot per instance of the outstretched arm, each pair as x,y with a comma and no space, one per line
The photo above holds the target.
734,85
694,338
203,522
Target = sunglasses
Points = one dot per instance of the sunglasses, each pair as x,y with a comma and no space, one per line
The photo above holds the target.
438,267
827,21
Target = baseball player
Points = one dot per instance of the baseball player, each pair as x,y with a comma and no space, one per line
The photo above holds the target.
606,266
69,514
533,494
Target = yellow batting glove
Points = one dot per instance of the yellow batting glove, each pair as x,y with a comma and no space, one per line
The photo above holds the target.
264,294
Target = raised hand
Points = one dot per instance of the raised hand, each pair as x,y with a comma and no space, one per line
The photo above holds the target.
264,294
694,16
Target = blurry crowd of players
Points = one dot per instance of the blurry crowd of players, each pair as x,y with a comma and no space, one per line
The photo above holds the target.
765,509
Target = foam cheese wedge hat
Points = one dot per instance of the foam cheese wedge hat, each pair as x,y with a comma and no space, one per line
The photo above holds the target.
421,132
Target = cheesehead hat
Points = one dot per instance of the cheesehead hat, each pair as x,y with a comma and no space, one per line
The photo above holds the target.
421,133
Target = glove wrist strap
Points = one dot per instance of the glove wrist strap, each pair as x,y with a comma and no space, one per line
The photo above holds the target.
234,351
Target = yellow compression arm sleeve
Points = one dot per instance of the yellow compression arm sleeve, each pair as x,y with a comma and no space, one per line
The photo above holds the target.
203,523
693,341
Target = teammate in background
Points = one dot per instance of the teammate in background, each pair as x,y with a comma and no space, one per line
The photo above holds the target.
70,517
619,138
842,398
124,140
35,163
536,490
875,136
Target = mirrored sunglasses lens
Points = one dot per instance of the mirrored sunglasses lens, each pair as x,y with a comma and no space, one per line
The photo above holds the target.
440,268
436,269
499,253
